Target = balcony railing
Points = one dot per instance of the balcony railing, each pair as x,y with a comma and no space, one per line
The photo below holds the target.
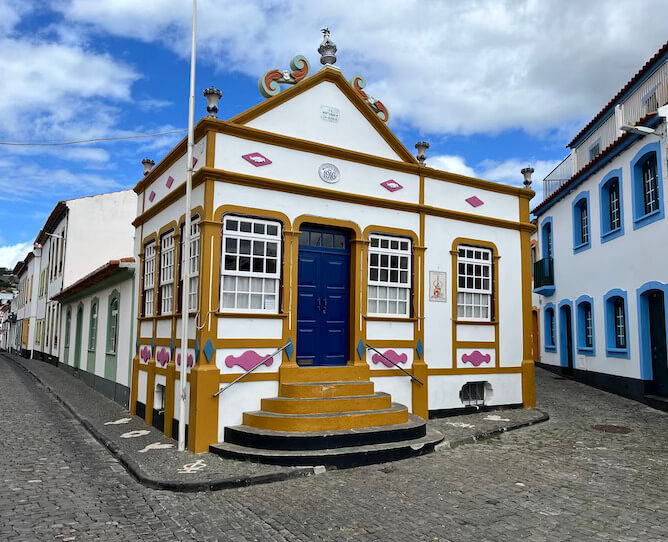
543,273
558,176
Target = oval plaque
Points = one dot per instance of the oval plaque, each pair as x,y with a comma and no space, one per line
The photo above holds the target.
329,173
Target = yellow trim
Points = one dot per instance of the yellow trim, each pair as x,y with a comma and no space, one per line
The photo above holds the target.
252,377
454,252
210,159
528,382
325,193
266,315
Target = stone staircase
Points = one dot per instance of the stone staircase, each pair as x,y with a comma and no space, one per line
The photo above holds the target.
340,421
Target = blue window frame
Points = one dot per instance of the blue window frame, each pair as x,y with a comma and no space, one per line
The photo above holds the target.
615,303
550,331
612,208
647,186
584,308
581,222
547,238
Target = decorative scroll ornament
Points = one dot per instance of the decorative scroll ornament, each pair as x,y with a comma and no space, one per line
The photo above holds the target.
358,82
270,81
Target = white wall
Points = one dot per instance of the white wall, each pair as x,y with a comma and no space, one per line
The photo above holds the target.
626,262
99,229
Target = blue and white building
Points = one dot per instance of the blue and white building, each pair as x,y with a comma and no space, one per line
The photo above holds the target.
601,269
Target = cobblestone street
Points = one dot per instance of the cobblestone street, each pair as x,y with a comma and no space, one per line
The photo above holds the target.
559,480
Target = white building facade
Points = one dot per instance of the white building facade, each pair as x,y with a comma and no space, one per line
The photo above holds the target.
79,235
600,275
316,232
98,328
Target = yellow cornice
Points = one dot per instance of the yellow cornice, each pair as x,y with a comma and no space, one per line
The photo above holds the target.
324,193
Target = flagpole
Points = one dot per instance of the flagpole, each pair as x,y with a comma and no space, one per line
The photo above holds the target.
185,260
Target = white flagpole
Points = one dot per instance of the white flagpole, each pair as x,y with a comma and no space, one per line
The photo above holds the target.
185,313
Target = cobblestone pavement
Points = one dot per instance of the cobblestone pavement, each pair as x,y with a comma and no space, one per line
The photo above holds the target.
559,480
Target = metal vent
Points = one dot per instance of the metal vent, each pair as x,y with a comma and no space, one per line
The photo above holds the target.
473,394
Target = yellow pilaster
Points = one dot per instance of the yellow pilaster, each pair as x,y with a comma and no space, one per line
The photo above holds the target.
203,419
528,379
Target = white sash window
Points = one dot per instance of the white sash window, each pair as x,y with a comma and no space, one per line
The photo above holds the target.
167,273
251,266
149,277
193,261
474,284
389,285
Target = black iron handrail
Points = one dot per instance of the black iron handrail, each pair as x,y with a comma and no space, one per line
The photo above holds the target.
369,347
249,371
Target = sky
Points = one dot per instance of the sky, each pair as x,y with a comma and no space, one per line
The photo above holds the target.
492,85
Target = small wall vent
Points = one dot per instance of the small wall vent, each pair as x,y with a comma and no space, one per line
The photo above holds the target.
473,393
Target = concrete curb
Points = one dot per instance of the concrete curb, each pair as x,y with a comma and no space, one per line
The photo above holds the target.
152,482
450,444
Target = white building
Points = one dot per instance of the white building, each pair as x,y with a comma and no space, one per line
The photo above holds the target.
316,231
79,236
601,274
98,328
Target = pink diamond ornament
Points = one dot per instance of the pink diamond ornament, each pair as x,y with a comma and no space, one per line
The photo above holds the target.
194,161
391,185
474,201
170,181
256,159
151,196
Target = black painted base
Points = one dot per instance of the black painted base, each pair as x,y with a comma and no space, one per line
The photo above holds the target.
110,389
159,420
631,388
140,409
447,413
175,430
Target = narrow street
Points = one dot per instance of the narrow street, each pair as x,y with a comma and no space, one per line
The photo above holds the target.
559,480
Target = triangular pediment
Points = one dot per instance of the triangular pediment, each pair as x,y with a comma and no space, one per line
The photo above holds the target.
325,108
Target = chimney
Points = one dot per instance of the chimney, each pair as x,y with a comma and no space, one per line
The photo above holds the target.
148,165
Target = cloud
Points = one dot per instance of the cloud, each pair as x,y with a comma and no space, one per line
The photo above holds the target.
453,164
11,254
476,66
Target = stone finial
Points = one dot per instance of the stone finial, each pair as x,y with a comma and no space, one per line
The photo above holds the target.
148,165
212,96
526,172
327,49
422,147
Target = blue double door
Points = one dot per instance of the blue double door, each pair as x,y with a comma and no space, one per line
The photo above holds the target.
323,304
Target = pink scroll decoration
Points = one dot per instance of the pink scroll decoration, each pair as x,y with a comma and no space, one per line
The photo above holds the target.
145,353
389,354
162,357
247,360
476,358
189,362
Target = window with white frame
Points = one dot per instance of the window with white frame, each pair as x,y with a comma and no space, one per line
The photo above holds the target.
250,269
620,323
613,198
650,187
474,284
389,287
584,223
167,272
588,325
112,340
149,277
92,334
194,262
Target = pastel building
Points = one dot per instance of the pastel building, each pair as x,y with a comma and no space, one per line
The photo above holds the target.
600,279
337,282
78,236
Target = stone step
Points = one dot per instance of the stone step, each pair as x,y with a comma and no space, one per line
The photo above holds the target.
326,421
338,457
252,437
325,389
343,373
314,405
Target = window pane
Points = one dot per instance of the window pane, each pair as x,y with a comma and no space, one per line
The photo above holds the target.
258,228
303,238
316,240
230,263
272,229
245,226
272,249
231,225
271,265
339,241
258,248
327,240
230,245
244,246
244,263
